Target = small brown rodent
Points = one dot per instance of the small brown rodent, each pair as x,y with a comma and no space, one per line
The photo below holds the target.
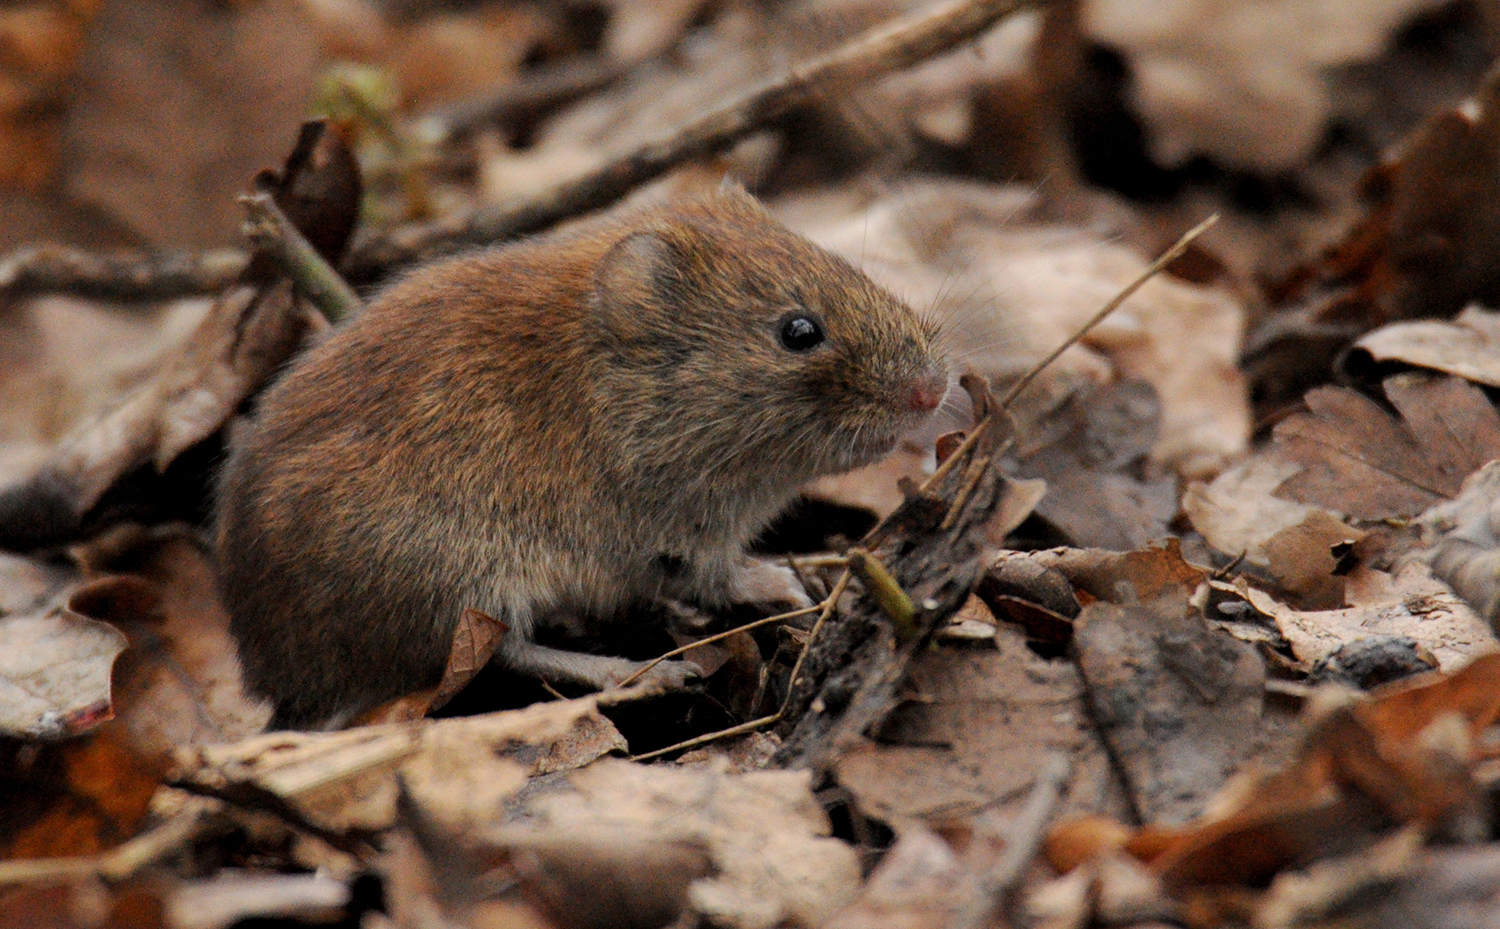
554,428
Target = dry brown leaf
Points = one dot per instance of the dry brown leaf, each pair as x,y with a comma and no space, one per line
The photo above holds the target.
419,892
474,643
1009,284
1435,888
74,798
1076,841
252,329
1362,769
1464,542
766,836
1360,460
179,682
1399,712
732,53
39,48
1092,452
1301,559
55,669
455,54
1439,210
177,105
616,877
1178,702
923,882
1148,573
1235,80
64,360
1467,346
347,781
1409,604
641,29
976,727
1238,513
28,584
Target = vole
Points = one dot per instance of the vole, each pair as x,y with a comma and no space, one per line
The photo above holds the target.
552,428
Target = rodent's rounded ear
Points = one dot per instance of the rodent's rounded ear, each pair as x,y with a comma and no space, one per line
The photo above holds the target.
635,271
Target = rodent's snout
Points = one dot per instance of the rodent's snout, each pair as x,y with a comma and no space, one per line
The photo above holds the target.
925,392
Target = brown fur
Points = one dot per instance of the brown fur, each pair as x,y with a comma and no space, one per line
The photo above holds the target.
539,430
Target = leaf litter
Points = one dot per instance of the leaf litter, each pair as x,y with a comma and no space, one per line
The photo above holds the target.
1212,625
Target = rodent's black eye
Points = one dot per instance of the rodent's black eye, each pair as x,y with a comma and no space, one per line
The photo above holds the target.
800,332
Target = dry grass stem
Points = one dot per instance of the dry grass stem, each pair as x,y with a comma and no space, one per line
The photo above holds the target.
826,608
1016,389
718,637
269,230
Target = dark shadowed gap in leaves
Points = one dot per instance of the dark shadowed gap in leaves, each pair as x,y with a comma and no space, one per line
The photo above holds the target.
811,526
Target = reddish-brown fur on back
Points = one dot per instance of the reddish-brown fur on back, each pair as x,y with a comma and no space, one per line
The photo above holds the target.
541,429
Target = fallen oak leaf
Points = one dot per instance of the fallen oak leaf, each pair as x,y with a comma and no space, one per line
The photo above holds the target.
1402,710
1442,213
1407,603
1178,703
57,663
1423,248
1359,459
1096,574
179,681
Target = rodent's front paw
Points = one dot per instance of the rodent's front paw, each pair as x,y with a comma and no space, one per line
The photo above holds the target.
759,581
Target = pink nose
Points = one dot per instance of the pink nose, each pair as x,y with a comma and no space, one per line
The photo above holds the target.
925,395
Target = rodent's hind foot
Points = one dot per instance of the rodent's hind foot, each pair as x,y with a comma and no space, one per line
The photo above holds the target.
600,672
668,676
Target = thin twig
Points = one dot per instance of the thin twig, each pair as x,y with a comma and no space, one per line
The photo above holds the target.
268,229
124,860
1153,269
827,607
118,274
710,737
756,624
548,88
902,43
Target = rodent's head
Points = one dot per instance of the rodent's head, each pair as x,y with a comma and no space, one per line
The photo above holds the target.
728,337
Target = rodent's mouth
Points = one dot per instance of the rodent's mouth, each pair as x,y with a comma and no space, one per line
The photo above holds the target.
867,447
